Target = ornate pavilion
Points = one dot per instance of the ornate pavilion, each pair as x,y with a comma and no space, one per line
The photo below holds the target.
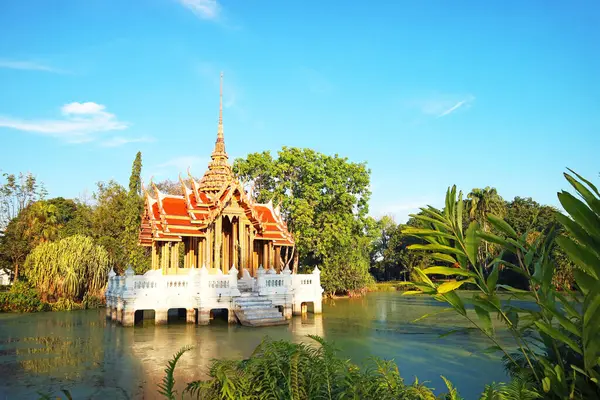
215,223
213,248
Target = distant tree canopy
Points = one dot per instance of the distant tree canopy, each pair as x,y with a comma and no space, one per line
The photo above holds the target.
323,198
390,259
170,187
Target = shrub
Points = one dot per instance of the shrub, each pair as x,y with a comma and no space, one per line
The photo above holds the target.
21,298
91,301
284,370
346,272
64,304
68,268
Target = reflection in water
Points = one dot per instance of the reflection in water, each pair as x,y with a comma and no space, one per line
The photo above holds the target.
93,358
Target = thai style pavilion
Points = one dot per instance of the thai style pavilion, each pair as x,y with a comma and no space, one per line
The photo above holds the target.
214,223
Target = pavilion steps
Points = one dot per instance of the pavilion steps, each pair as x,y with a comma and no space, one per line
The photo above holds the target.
254,310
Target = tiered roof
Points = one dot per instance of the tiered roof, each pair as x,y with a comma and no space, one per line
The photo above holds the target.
170,217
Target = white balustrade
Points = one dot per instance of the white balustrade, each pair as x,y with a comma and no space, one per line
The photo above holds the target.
199,289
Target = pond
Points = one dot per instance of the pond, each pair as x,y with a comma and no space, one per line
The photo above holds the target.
95,358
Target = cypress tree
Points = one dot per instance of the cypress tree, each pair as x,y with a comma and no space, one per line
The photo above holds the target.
135,180
133,218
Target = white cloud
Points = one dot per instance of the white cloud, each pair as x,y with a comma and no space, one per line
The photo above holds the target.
120,141
205,9
443,105
82,108
80,123
28,66
456,107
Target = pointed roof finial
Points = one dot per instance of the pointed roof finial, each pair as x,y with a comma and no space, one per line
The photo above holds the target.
220,129
219,171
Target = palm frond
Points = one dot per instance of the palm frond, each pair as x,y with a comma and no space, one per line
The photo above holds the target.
168,383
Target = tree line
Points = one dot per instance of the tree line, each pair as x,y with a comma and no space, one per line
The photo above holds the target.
392,260
323,198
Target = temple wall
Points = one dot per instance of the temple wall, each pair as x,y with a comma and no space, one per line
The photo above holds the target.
199,292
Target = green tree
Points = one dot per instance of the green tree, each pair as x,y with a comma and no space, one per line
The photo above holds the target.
135,254
108,221
14,246
481,203
16,194
35,224
42,222
170,187
324,199
68,268
526,215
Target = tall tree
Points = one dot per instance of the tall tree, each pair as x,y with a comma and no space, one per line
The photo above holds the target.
135,180
133,217
17,193
481,203
108,221
324,199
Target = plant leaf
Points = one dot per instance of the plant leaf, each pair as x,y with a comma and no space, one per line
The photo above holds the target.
435,247
448,271
443,257
485,319
502,226
472,241
492,279
452,285
558,335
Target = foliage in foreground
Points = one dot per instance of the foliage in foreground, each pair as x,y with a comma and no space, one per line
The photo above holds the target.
558,339
284,370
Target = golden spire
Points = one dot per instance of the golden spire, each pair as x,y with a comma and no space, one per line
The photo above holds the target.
220,128
219,171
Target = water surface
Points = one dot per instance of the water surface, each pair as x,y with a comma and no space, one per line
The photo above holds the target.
95,358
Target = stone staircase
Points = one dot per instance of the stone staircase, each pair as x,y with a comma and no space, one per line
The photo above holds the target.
254,310
245,286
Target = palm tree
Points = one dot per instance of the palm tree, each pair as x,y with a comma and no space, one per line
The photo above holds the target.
42,222
481,203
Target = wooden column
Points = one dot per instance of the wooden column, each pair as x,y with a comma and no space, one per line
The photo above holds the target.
209,246
242,237
155,255
175,257
161,255
193,247
186,249
278,258
234,244
251,250
164,259
271,255
218,241
265,256
200,255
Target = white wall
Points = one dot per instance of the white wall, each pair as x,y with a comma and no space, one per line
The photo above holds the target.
4,278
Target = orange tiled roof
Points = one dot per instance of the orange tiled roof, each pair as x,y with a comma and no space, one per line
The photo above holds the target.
173,217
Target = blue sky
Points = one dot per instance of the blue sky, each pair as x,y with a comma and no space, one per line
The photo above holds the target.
428,93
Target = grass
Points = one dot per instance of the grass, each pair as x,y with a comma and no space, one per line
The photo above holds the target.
389,286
